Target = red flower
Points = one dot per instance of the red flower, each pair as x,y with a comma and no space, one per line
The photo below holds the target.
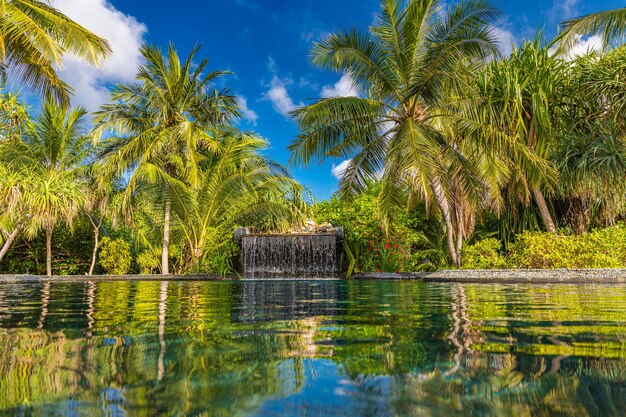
369,249
379,270
377,263
387,246
397,246
399,271
391,253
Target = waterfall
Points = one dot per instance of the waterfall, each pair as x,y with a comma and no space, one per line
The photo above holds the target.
290,256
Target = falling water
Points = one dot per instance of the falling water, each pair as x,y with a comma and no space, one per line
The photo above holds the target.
290,256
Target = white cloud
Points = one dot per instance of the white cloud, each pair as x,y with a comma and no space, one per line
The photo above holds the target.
345,87
278,93
582,46
338,170
248,114
505,39
279,96
124,33
586,45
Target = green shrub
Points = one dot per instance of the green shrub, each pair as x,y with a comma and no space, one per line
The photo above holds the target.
148,263
484,254
604,248
417,235
115,256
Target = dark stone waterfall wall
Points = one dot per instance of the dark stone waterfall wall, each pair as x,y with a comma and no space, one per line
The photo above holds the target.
290,256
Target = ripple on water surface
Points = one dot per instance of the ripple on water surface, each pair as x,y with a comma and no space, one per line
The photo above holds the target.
331,348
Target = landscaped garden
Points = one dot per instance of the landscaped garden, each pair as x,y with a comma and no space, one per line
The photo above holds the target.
458,155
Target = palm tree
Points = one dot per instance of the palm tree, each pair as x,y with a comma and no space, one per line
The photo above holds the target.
236,186
50,163
410,65
160,123
609,24
590,153
34,36
520,96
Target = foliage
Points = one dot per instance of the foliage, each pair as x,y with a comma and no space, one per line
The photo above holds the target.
115,257
609,24
34,37
147,262
484,254
413,63
416,234
384,256
604,248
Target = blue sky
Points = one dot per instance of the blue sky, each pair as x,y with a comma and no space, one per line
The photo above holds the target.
265,43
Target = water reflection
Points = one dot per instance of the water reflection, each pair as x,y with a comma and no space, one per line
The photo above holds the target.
311,348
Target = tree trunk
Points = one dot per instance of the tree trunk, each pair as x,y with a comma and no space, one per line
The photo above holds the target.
96,235
9,240
165,270
459,237
546,217
48,250
444,207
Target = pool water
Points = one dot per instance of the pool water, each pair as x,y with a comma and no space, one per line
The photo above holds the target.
307,348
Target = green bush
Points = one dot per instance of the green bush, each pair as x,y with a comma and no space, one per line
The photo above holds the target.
604,248
148,263
414,238
115,257
484,254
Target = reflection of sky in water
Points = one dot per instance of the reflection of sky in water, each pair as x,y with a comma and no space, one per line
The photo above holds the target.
341,348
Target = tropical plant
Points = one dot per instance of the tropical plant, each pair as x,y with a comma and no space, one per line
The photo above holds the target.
160,124
521,94
34,37
608,24
236,186
589,149
48,169
13,116
411,65
105,201
115,256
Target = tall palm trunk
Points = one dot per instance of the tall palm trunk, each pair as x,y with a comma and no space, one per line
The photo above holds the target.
96,235
165,253
540,200
546,217
10,238
444,207
48,249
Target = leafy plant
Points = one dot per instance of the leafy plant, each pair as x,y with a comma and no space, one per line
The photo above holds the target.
147,262
484,254
115,257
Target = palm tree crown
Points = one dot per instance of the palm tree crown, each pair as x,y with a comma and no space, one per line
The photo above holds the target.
410,66
34,36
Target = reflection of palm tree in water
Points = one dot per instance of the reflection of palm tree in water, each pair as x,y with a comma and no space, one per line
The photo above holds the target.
162,308
461,335
45,300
